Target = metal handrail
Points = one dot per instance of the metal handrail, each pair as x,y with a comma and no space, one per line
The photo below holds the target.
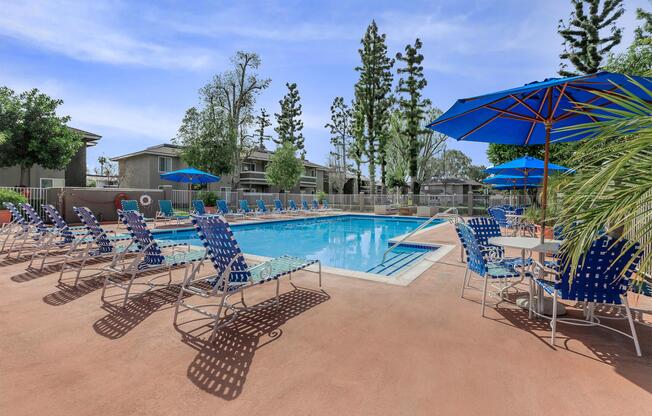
451,214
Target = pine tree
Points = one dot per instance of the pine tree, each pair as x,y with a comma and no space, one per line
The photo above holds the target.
262,122
341,131
584,45
289,124
373,99
412,105
644,31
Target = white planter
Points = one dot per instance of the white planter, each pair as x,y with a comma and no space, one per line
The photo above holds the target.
426,211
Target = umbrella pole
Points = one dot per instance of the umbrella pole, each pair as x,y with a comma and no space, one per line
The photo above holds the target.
544,197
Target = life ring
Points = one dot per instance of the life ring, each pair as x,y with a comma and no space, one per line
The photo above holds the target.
145,200
117,202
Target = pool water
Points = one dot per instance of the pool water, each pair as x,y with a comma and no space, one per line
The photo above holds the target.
355,242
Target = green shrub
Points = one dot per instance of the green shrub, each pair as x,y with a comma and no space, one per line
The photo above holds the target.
11,196
209,198
321,195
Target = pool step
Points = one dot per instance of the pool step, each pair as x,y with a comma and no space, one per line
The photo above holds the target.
397,261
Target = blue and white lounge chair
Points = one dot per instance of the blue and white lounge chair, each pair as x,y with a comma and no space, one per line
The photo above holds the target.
307,209
14,230
292,207
601,278
279,209
198,207
32,235
478,262
99,244
150,257
326,207
245,209
166,212
131,205
262,209
60,236
233,273
223,209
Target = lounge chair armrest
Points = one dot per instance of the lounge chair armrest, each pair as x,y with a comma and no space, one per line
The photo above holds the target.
541,271
226,275
491,253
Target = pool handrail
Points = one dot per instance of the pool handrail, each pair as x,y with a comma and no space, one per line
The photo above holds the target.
451,214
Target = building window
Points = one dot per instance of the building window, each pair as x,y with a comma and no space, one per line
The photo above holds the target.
52,183
164,164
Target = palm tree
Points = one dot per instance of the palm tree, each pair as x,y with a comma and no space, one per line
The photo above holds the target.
612,187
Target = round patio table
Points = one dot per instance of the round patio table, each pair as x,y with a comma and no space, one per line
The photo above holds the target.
532,244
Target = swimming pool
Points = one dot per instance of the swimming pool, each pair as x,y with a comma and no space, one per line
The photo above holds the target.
355,242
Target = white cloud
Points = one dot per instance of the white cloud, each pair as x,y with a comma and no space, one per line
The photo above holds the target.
92,31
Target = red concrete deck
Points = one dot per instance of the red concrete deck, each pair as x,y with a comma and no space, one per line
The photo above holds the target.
358,348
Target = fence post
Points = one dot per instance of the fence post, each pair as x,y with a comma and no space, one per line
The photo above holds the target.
470,203
361,201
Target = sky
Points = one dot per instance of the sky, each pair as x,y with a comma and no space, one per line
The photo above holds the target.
128,70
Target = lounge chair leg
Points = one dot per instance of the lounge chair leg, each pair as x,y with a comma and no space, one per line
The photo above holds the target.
553,323
631,325
278,286
484,294
178,304
128,289
218,315
106,282
531,297
466,273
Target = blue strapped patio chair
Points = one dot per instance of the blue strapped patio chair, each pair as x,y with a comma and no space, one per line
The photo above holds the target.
166,212
262,209
326,207
244,208
198,207
33,234
306,208
233,275
224,210
292,207
602,277
486,228
15,230
131,205
60,236
150,257
478,261
99,244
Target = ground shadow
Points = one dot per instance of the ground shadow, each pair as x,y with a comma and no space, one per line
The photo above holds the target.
30,274
121,320
68,293
221,366
605,346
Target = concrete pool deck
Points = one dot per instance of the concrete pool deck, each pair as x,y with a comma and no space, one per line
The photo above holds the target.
357,348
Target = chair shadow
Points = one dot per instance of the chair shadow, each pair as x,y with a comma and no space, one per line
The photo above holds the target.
605,346
120,321
31,274
220,367
68,293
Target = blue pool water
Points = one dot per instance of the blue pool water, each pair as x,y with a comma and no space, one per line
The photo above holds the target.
355,242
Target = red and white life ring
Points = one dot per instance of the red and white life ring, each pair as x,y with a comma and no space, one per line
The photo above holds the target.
117,202
145,200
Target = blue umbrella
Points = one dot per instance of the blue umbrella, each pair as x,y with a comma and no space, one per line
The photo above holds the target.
190,175
511,187
525,166
526,115
513,180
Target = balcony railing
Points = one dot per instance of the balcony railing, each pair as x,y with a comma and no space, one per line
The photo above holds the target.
253,177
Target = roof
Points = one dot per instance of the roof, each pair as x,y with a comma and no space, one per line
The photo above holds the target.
168,149
91,139
452,181
165,149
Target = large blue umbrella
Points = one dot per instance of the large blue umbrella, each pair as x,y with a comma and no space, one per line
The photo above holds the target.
525,166
527,115
513,180
190,175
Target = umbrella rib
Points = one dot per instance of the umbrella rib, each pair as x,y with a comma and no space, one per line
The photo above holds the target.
577,105
494,117
529,134
511,114
526,105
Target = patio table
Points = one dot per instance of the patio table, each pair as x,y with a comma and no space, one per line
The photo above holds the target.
531,244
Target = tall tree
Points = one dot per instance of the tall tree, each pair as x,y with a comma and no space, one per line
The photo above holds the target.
585,44
357,147
341,131
411,104
262,122
205,140
645,30
289,124
284,169
33,134
373,99
233,94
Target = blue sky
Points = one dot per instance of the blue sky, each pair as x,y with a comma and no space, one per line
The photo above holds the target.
128,70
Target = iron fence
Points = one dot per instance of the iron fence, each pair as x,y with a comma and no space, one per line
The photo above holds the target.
36,197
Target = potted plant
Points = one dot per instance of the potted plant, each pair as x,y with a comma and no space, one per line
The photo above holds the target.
210,200
533,215
9,196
